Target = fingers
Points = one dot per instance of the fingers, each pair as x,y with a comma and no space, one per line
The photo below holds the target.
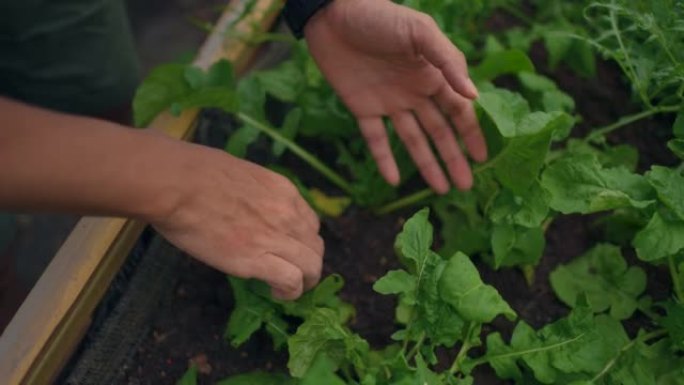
286,279
443,137
437,49
373,130
308,261
462,114
410,133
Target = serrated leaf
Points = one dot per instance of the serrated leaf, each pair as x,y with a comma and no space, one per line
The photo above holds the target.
674,324
322,371
505,108
603,277
322,332
659,239
529,209
669,184
251,311
579,184
461,287
516,245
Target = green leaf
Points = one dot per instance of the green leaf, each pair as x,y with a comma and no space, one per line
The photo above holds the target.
395,282
251,311
677,147
659,239
557,45
463,226
673,322
288,130
285,82
608,156
221,74
603,277
240,140
579,184
258,378
163,86
529,209
211,97
517,166
323,333
505,108
576,345
669,184
322,371
500,63
517,246
195,77
415,240
324,295
678,127
461,287
189,378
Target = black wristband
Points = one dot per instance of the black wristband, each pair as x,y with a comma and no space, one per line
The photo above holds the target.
298,12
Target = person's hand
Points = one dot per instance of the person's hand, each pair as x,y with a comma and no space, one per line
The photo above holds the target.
386,60
243,220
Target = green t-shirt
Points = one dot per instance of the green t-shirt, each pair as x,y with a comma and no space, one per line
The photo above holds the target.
74,56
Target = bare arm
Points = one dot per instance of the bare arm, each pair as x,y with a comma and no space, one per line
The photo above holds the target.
231,214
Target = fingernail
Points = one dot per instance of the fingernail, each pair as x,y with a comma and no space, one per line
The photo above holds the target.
472,90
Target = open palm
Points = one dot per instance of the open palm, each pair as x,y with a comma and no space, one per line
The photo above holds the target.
386,60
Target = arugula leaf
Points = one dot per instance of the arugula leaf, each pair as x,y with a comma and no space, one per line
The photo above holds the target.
260,378
500,63
528,136
322,371
577,346
252,102
288,130
579,184
251,312
516,245
461,287
189,378
162,87
284,82
529,209
396,282
669,184
414,242
322,332
324,295
659,239
677,147
673,322
463,226
602,275
608,156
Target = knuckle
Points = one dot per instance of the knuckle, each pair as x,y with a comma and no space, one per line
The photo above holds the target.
291,279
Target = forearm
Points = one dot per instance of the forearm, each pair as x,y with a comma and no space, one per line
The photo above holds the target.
64,163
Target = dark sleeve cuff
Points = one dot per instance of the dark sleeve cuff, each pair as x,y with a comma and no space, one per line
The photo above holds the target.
298,12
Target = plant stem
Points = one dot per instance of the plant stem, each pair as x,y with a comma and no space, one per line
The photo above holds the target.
416,347
631,344
679,292
306,156
464,349
408,200
625,120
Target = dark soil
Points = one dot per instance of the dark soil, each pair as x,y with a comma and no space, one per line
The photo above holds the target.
359,246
